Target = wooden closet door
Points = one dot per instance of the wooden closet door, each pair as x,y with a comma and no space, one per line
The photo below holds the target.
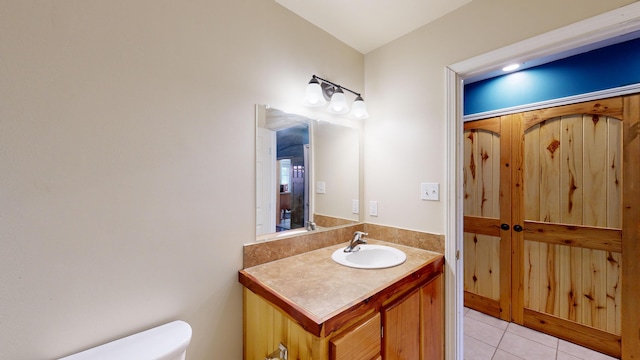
552,229
487,216
568,254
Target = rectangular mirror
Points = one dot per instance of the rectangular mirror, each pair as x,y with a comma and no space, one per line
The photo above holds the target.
307,173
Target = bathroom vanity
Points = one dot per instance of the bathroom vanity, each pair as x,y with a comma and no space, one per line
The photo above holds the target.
322,310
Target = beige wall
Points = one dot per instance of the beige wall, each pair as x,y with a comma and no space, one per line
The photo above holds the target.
405,138
127,156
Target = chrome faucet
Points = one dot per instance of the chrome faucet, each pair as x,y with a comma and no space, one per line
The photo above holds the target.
357,240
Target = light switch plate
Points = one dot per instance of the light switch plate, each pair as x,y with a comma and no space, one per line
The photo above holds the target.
320,187
430,191
373,208
355,207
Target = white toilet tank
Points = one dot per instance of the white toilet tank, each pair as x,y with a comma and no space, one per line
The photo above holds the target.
165,342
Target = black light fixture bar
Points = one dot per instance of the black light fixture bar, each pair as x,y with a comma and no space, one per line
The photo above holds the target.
336,85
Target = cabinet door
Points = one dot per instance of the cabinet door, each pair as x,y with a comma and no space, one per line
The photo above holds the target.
401,325
431,297
360,343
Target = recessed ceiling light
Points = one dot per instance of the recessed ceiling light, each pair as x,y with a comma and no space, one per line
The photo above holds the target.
511,67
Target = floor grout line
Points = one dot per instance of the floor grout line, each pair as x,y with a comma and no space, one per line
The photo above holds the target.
556,348
498,346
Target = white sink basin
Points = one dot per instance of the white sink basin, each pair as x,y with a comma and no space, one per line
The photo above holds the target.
370,257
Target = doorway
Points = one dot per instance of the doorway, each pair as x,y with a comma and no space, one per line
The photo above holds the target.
592,30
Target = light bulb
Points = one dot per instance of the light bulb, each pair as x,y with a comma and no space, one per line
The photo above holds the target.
313,95
359,109
338,104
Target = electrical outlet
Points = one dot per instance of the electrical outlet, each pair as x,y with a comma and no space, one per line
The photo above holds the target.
355,207
430,191
320,187
373,208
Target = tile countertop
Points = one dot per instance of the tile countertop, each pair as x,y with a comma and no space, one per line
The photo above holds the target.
315,291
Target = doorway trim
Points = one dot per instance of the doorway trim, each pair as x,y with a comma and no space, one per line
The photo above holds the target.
598,28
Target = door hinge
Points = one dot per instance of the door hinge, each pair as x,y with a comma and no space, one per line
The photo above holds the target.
457,254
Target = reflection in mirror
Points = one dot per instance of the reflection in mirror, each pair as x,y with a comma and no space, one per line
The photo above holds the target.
307,172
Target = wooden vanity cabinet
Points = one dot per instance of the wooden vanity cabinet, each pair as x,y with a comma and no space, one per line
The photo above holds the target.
408,325
401,317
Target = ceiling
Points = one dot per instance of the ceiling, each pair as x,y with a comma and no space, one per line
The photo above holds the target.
368,24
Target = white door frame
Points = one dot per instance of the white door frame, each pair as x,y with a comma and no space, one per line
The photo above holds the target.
605,26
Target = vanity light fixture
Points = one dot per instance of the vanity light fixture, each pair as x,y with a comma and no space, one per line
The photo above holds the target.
320,90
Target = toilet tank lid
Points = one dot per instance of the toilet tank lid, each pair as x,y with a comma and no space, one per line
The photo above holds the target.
160,343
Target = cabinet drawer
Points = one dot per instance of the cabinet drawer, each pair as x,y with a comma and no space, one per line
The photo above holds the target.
361,343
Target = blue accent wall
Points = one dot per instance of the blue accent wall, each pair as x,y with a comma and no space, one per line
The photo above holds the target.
605,68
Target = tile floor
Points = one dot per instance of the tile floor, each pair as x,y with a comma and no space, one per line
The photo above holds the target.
488,338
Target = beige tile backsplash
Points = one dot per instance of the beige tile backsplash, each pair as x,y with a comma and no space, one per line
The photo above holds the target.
266,251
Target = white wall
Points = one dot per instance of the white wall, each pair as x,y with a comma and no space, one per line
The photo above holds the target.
405,138
127,156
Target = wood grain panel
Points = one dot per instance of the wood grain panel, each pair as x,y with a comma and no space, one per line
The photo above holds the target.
604,107
614,174
549,149
583,335
506,166
532,275
571,235
470,267
631,229
531,256
564,297
595,171
496,167
614,293
547,277
482,265
470,174
594,282
484,247
487,200
571,169
574,297
489,266
482,304
479,225
517,216
491,124
532,173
